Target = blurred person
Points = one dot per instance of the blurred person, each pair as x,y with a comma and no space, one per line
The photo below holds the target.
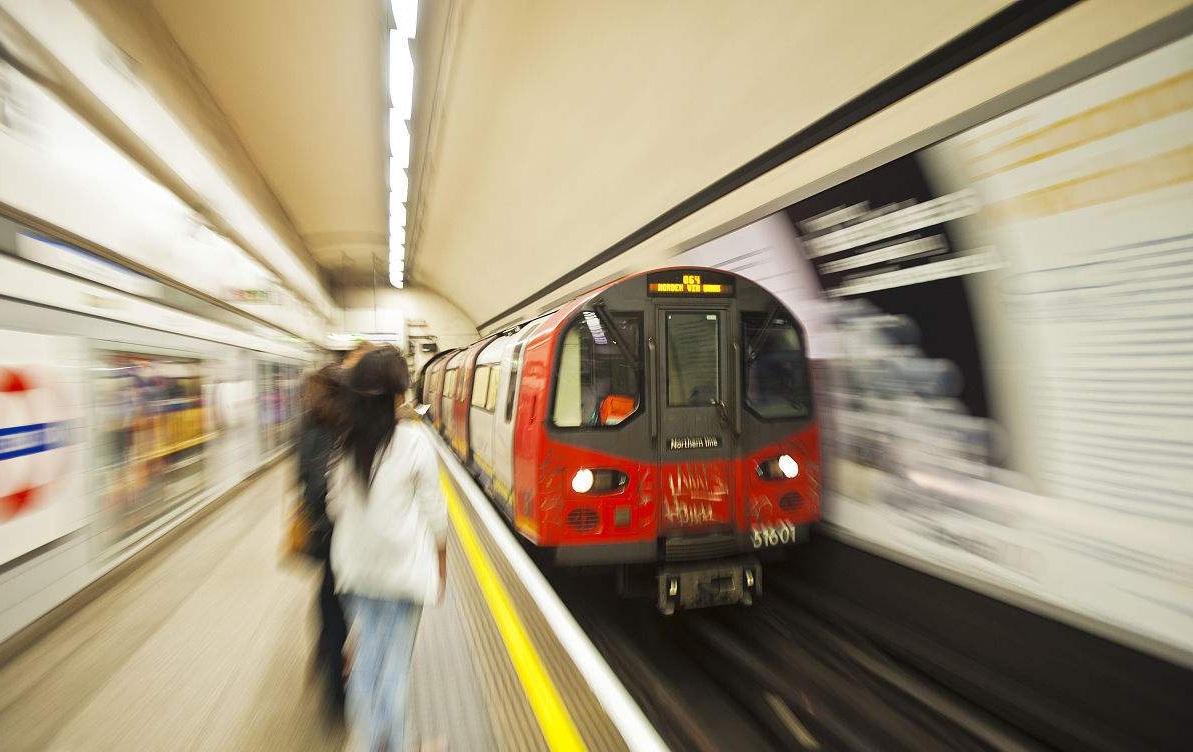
318,436
405,410
389,548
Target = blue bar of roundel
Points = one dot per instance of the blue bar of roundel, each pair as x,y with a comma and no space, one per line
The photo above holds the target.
41,446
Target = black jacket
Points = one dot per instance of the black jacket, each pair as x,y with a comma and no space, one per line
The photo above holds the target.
315,446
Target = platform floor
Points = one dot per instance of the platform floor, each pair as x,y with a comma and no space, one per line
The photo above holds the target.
207,646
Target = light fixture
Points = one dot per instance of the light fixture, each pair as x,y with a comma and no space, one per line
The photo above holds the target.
600,481
397,181
778,468
401,75
406,17
399,139
582,481
788,466
401,97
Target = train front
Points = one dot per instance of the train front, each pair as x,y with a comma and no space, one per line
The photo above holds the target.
680,440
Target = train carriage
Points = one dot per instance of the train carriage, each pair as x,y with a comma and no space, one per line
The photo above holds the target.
662,424
431,383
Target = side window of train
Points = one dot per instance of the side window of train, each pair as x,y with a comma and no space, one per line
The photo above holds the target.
491,397
449,388
598,378
515,367
480,386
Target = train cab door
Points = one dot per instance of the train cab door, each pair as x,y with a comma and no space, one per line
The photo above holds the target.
693,387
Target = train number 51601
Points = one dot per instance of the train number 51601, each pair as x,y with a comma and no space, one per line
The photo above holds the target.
776,534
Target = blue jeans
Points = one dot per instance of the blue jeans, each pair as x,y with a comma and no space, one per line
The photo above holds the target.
377,685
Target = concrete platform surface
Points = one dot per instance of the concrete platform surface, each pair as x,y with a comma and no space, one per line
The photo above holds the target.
207,646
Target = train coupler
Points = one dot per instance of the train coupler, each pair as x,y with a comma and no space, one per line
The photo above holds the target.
722,582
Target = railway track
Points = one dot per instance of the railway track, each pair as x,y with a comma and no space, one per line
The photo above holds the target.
787,673
849,651
776,676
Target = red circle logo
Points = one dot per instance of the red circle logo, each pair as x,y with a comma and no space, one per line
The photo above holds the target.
27,431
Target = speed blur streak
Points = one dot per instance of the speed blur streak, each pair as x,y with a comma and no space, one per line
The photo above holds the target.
1000,324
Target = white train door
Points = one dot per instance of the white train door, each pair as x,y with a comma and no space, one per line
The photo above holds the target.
482,412
503,426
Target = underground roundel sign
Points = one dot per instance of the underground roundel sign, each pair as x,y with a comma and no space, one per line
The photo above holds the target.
31,428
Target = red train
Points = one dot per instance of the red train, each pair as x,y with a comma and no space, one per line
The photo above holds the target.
662,424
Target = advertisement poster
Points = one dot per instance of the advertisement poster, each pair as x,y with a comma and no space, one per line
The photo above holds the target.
42,494
153,427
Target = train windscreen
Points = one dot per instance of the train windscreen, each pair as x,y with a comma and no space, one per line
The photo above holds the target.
598,381
776,366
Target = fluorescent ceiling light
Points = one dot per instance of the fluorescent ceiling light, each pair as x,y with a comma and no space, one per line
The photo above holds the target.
399,138
401,97
397,261
397,180
406,17
401,75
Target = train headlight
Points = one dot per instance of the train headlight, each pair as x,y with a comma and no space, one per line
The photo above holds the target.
582,481
598,481
782,467
788,466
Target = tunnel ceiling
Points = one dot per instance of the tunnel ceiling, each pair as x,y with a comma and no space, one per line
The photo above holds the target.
302,84
567,126
543,132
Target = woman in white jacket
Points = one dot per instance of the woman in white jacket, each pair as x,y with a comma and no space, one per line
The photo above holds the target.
389,548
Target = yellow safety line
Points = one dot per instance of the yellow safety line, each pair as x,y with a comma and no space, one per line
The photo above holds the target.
556,723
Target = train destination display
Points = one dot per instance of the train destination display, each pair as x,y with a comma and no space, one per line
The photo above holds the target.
689,282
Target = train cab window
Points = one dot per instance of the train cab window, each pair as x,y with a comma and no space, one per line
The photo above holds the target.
776,367
693,358
598,380
515,368
480,386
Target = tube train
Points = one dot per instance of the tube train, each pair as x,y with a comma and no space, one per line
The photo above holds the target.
662,424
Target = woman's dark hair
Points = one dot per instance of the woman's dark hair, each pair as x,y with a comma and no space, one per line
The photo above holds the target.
321,394
372,385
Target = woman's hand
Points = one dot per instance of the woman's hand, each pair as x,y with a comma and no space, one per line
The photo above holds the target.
406,411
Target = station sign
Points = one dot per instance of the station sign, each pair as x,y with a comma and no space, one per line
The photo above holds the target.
42,496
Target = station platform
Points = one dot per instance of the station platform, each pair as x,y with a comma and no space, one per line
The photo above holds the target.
207,643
